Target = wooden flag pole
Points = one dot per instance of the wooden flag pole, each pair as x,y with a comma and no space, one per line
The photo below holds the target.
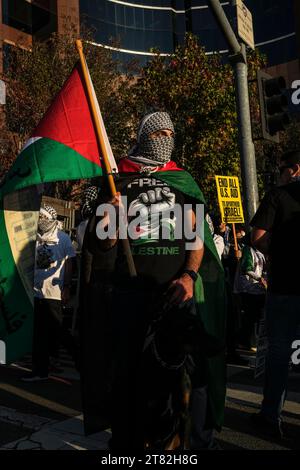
101,142
236,248
99,135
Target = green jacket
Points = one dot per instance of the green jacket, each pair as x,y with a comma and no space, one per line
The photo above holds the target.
211,305
210,297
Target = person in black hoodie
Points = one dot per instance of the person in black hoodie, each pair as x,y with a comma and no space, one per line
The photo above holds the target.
275,233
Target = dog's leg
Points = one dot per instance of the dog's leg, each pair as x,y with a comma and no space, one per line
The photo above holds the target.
186,418
174,443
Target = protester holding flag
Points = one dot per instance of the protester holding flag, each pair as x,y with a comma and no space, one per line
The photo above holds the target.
64,146
52,283
118,309
90,196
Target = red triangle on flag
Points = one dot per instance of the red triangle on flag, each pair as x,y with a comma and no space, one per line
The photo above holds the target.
68,119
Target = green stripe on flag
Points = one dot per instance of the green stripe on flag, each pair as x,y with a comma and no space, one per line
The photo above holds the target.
44,161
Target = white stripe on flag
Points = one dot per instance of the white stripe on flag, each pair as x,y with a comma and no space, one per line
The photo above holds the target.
111,158
30,141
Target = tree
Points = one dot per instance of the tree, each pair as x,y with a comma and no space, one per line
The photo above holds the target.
198,91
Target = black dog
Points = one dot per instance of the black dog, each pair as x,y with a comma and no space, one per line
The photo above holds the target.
175,338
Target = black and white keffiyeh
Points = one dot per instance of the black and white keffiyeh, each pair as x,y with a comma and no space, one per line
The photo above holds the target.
90,197
47,225
151,151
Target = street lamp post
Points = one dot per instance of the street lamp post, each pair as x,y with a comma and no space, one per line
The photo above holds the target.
238,61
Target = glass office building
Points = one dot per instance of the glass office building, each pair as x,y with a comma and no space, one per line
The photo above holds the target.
140,25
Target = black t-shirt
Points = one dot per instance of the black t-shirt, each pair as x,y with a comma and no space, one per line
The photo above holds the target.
158,254
279,214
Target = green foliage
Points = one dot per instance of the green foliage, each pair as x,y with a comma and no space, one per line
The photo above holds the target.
198,92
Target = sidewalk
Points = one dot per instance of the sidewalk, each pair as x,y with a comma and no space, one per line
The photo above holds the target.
48,416
52,435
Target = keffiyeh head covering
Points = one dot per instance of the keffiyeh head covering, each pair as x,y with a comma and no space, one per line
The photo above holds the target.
50,211
153,151
210,224
90,197
47,224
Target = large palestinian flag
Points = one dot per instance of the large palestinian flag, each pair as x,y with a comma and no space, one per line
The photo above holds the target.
62,147
64,144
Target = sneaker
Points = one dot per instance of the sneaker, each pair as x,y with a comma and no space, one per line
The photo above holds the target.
266,426
243,347
34,378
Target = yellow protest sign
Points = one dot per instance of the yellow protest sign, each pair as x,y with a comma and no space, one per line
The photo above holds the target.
229,197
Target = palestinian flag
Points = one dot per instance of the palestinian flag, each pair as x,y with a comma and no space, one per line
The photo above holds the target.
64,144
62,147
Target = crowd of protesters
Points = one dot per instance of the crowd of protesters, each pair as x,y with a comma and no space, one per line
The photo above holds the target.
246,282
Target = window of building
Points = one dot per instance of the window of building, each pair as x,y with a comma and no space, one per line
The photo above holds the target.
38,19
148,19
92,8
7,58
129,18
179,24
120,15
178,4
110,13
17,14
164,19
139,18
285,49
44,20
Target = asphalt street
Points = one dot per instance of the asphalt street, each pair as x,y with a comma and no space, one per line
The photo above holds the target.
47,415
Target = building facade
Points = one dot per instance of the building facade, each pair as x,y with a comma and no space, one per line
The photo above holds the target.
139,25
23,21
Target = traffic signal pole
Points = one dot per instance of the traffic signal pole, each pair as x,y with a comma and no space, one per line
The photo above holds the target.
238,61
246,145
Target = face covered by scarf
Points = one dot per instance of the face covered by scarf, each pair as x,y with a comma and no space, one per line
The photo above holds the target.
154,151
47,225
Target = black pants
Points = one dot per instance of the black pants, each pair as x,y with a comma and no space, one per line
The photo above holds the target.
232,325
132,312
131,316
253,305
46,333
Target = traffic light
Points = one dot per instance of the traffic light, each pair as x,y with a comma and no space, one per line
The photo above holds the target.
273,105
